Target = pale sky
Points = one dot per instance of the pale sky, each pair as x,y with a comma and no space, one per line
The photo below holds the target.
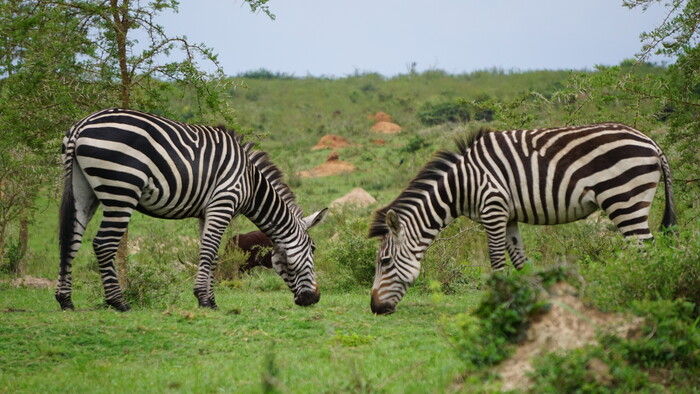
338,38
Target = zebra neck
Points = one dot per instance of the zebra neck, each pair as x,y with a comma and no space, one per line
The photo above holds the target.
427,211
272,214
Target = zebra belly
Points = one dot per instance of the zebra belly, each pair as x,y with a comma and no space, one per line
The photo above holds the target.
580,208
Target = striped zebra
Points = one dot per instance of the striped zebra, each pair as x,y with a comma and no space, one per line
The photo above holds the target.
543,176
129,160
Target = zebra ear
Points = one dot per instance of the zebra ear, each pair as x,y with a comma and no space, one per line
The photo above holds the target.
315,218
392,221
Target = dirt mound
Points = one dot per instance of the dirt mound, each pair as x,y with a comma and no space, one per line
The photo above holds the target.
386,128
568,325
331,141
378,141
356,197
332,166
380,117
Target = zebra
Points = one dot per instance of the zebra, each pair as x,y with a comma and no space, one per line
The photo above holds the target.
543,176
130,160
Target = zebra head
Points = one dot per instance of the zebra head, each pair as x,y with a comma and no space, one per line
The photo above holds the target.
294,262
397,265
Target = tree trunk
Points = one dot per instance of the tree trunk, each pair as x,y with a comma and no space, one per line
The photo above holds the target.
120,18
23,234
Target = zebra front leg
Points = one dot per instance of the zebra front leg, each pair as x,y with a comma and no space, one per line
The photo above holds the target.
514,244
496,237
211,229
114,223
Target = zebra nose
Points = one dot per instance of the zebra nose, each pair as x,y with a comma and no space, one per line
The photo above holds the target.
381,308
308,297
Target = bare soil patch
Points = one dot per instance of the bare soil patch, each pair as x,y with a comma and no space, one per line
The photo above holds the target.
357,197
331,141
568,325
332,166
386,128
380,117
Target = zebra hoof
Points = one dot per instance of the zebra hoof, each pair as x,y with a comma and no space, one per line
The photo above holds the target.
119,305
208,303
307,298
65,302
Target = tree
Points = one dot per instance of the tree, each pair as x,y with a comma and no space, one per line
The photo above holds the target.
61,59
677,37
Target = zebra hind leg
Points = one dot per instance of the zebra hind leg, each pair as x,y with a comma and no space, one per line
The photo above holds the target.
78,206
495,235
514,245
106,243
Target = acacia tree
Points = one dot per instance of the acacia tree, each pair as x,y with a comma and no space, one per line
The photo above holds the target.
61,59
677,37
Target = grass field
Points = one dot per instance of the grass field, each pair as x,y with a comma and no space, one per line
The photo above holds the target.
255,337
259,341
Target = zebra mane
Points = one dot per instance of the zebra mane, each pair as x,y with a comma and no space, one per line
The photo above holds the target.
466,140
274,175
269,170
434,170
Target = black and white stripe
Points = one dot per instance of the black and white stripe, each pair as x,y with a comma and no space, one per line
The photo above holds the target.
543,176
129,160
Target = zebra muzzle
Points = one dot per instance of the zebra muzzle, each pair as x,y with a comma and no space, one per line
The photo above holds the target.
307,297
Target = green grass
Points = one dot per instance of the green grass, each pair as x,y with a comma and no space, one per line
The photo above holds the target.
334,346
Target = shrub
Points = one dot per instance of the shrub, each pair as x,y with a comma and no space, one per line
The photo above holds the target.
666,350
431,114
666,269
671,336
10,261
155,276
483,337
588,370
153,283
354,253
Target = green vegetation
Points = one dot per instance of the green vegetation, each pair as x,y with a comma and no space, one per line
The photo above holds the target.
258,340
442,338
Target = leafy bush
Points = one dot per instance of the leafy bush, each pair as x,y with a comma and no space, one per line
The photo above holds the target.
666,350
588,370
155,277
483,337
264,74
666,269
10,261
671,336
431,114
354,253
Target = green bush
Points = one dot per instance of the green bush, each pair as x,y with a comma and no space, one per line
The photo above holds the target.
456,111
666,269
666,350
670,338
11,259
353,253
588,370
484,337
155,277
456,259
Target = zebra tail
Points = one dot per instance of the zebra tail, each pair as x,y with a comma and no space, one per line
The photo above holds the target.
669,219
66,215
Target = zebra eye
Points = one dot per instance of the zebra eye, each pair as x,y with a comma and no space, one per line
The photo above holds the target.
385,260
